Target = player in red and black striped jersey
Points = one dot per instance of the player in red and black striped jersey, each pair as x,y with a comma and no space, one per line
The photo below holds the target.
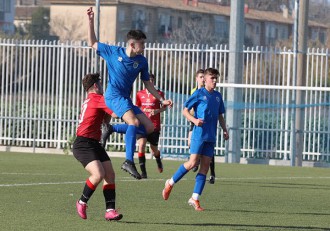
89,152
152,107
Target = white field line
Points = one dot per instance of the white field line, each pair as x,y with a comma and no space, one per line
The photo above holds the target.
129,179
29,174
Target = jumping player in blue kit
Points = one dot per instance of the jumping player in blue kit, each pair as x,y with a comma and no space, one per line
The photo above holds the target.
124,65
208,110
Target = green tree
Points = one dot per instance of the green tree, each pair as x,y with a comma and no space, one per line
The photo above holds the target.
39,27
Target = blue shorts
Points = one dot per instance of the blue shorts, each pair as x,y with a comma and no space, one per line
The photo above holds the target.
121,105
202,148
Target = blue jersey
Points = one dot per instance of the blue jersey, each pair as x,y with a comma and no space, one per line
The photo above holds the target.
122,70
207,106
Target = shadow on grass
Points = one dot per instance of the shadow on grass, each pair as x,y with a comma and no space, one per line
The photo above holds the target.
195,225
263,212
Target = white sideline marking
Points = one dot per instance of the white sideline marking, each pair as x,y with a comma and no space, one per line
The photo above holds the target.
273,178
31,174
32,184
130,179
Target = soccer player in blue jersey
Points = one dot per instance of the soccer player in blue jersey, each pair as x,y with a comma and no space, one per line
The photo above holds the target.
124,65
200,83
208,110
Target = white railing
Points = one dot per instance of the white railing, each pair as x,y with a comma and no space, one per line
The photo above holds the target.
41,94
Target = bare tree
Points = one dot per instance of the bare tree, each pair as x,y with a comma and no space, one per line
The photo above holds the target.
194,31
268,5
66,31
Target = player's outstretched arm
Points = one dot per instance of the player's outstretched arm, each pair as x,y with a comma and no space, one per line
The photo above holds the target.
151,88
92,41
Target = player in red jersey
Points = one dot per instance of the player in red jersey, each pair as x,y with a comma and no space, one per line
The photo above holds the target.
152,107
89,152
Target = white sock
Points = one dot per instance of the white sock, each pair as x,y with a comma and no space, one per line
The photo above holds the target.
108,210
195,196
81,202
171,182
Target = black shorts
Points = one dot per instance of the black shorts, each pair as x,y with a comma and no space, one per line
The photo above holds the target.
86,150
153,138
191,126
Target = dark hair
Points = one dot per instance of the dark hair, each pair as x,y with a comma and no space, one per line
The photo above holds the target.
90,79
211,71
199,71
136,35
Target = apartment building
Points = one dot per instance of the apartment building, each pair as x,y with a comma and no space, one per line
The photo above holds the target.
160,18
7,13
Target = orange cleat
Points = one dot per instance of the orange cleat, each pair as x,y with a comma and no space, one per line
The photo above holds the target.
167,190
195,204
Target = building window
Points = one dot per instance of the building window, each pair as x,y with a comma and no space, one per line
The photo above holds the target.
314,34
179,22
322,37
140,20
7,6
165,25
257,29
221,27
121,15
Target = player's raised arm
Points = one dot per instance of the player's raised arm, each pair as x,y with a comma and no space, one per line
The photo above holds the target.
92,41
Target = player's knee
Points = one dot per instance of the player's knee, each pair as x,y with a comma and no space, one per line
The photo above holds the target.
142,147
136,123
110,178
132,121
98,177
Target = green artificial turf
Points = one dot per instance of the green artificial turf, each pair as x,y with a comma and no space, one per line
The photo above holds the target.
39,191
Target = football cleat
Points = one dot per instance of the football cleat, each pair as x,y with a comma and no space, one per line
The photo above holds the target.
129,166
81,210
113,215
195,204
108,130
167,190
144,175
212,179
194,169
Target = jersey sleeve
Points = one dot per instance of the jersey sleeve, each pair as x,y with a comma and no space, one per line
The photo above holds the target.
191,101
222,109
104,50
144,71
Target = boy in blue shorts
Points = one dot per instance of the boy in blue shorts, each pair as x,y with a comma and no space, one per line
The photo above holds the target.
124,65
208,110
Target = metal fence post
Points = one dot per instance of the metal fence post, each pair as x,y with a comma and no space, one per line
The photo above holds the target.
60,98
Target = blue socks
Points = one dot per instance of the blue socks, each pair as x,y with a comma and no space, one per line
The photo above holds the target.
130,140
199,183
122,128
179,173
